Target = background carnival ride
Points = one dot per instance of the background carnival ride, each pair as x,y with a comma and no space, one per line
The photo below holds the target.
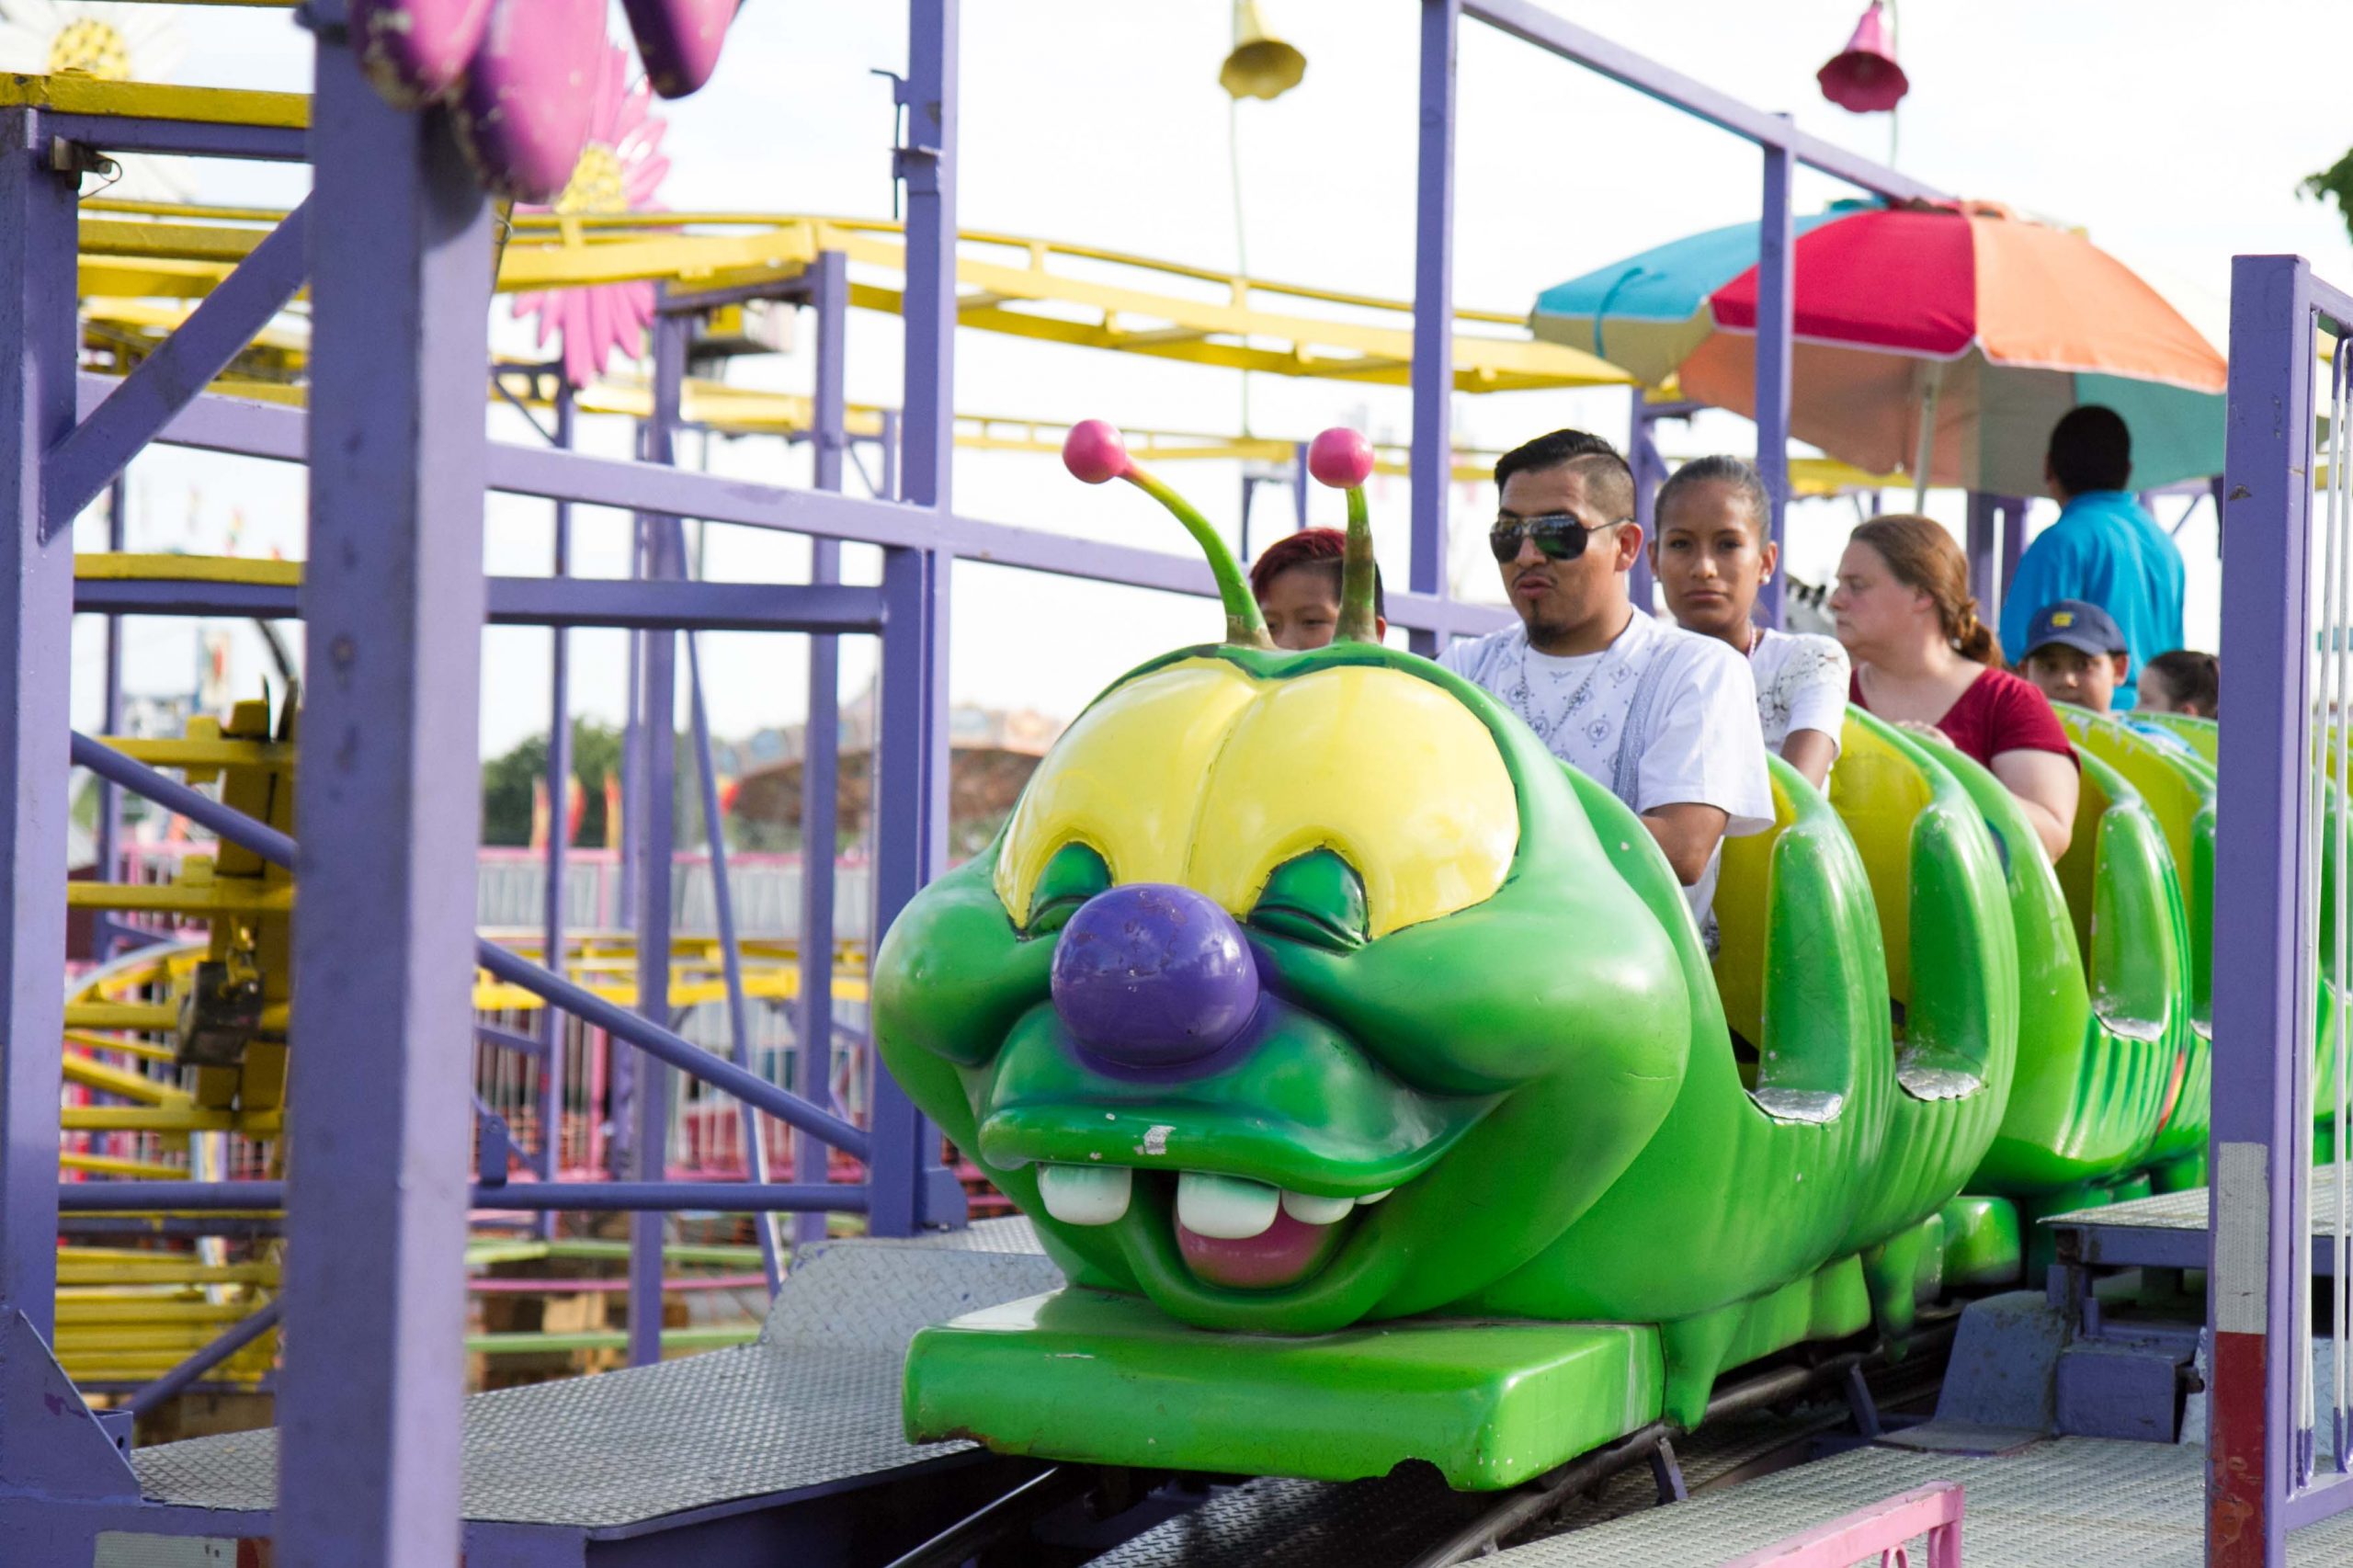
397,248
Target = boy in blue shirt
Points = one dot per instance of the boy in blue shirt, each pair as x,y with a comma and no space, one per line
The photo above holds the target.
2104,549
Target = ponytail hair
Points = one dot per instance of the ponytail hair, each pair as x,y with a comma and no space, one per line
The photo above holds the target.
1924,557
2195,679
1737,473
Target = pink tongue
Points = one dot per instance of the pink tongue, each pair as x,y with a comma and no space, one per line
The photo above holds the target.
1283,1254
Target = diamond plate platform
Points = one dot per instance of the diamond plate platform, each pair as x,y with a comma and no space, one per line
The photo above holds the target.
2062,1504
2169,1231
814,1403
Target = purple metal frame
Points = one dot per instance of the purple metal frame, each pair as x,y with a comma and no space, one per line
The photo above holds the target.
1783,146
397,245
661,558
36,322
558,787
820,736
911,1186
401,263
2264,984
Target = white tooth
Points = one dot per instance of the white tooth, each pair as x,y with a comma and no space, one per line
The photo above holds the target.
1311,1210
1376,1197
1086,1195
1227,1208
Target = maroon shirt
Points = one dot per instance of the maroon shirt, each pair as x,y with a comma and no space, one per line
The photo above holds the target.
1999,712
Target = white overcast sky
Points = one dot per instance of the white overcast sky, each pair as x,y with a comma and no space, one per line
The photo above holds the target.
2175,132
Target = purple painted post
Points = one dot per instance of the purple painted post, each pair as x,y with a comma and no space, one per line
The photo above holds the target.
376,1219
663,552
2014,542
1776,261
2262,990
37,406
911,773
1433,449
821,743
1980,546
559,786
109,847
731,959
1650,472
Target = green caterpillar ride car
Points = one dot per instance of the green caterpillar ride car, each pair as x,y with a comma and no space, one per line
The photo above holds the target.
1361,1066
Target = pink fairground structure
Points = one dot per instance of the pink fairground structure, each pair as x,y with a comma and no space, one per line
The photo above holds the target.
1883,1527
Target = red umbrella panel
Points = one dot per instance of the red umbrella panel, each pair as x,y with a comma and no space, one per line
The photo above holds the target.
1985,327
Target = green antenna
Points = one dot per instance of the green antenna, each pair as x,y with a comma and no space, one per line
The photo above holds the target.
1094,453
1342,458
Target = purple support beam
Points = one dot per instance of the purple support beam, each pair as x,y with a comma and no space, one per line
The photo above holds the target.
38,338
559,786
910,775
268,430
594,1010
110,716
1432,477
206,344
532,601
1981,546
663,550
239,1334
378,1130
2262,984
1532,23
731,957
1650,471
2014,542
821,740
1776,261
261,1198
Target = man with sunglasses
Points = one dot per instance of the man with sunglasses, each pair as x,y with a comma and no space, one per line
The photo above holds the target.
1665,718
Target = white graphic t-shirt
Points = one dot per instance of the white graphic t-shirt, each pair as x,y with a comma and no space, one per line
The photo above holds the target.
1800,684
1692,737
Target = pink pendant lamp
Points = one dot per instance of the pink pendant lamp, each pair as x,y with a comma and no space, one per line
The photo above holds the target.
1864,76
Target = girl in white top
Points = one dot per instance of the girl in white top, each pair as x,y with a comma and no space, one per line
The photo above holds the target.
1711,555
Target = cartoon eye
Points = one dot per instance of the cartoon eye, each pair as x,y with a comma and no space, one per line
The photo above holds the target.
1318,898
1075,874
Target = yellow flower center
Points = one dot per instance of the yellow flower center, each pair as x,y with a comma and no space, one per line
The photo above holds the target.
595,184
87,47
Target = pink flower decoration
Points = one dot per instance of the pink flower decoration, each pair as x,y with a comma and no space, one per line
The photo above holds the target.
1340,457
415,50
618,171
1094,451
679,40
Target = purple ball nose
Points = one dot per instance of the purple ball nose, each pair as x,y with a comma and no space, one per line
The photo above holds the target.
1151,977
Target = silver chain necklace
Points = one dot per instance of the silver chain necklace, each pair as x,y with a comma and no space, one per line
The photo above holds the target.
1523,695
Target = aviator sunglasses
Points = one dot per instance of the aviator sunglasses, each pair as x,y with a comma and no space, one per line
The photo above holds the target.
1557,535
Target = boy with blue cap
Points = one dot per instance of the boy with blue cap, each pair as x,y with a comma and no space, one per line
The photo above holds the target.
2076,653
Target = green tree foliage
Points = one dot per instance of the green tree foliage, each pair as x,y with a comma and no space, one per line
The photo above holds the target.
507,783
2336,181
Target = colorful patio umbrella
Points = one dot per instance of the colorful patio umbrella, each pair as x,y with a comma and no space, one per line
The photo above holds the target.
1958,318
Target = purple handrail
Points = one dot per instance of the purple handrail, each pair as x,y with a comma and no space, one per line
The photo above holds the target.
651,1038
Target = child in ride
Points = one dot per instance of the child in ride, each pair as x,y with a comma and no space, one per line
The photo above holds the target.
1296,581
2076,653
1711,554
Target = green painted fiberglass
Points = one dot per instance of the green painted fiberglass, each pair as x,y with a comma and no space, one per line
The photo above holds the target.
1583,1120
1545,1169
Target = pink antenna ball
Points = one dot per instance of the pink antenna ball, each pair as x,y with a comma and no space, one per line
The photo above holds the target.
1094,452
1340,457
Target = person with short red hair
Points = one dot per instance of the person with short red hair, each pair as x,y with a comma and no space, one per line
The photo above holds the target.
1296,581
